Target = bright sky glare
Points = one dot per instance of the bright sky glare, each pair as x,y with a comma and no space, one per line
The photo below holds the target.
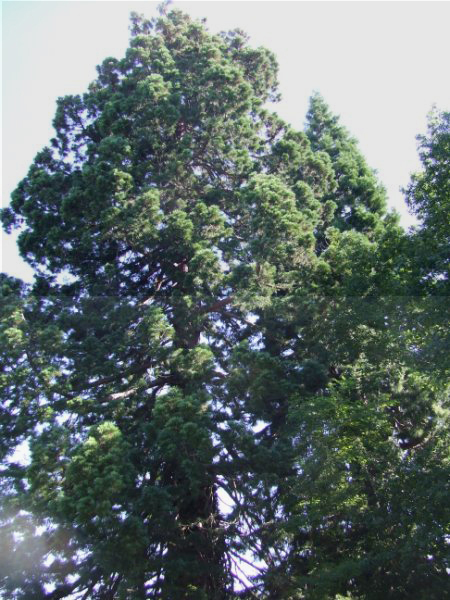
379,65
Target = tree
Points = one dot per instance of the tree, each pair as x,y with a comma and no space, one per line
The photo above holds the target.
212,323
428,197
359,198
364,413
427,253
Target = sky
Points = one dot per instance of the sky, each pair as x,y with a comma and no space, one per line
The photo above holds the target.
379,65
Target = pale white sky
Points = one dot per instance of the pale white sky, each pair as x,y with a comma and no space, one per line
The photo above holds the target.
379,65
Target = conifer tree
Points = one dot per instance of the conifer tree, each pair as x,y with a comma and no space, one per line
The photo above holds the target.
360,199
216,370
428,197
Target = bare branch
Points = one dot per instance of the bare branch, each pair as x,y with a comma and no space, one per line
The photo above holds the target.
239,557
216,306
121,395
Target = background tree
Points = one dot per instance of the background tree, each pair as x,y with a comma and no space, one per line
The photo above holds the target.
428,250
359,198
428,197
219,315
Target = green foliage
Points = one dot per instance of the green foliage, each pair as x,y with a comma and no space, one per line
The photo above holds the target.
230,371
428,196
360,200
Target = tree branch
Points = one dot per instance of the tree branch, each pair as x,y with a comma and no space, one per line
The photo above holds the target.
216,306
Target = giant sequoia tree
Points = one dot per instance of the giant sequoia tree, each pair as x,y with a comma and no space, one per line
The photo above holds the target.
221,368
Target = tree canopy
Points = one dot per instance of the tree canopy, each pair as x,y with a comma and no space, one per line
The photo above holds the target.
230,370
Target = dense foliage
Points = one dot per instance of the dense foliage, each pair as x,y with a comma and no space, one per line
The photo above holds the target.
230,371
